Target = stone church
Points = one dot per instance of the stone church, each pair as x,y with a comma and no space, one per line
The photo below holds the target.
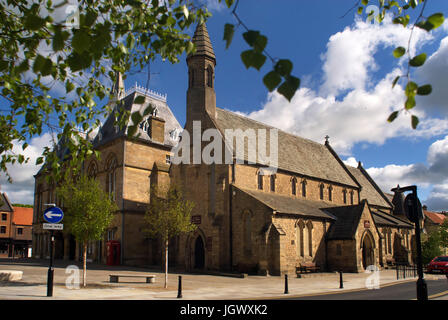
312,209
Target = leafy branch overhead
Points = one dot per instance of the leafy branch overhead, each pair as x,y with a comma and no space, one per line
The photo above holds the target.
41,52
401,17
279,77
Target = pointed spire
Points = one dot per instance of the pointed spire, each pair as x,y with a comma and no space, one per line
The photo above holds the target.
118,88
202,42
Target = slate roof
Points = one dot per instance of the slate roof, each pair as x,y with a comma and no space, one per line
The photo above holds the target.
347,221
369,191
385,219
290,205
109,131
5,203
295,154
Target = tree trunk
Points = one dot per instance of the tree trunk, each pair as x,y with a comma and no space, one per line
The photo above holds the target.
166,264
84,267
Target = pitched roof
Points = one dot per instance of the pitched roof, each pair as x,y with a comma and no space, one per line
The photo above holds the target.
109,131
5,203
23,216
369,190
435,217
290,205
295,154
385,219
347,221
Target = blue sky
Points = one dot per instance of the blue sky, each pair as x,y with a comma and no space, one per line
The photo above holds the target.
346,68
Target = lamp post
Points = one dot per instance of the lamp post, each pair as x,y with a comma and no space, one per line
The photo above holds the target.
413,210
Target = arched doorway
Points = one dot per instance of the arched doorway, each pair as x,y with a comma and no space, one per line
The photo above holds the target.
199,253
368,257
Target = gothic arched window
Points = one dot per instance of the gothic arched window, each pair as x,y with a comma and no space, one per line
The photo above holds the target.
294,186
111,175
321,191
303,188
209,77
92,171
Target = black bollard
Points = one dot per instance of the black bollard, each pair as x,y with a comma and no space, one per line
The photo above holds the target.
341,282
286,284
179,289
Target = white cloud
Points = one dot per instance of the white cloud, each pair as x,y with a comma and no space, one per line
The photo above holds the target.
433,175
435,71
21,190
351,106
350,54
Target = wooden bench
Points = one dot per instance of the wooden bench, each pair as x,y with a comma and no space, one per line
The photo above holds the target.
307,267
115,277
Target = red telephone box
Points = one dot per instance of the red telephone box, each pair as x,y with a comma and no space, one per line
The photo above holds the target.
113,253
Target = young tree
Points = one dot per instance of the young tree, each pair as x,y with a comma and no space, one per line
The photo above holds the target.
431,247
88,211
169,215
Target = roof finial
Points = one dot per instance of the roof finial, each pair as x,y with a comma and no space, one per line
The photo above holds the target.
326,139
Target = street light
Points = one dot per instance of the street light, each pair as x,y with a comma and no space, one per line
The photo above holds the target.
413,210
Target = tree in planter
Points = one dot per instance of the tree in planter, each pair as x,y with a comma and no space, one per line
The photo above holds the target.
168,216
88,212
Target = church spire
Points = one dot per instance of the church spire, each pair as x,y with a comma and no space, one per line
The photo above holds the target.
202,43
117,90
201,97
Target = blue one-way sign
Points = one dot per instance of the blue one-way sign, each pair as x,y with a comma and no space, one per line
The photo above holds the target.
53,215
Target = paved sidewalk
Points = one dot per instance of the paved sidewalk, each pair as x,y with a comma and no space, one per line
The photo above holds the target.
194,286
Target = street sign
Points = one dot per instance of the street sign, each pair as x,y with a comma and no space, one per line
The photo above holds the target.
413,214
53,226
53,215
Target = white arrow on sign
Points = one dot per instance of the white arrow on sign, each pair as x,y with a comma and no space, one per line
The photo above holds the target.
50,214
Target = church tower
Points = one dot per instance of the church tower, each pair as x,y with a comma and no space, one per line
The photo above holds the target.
201,97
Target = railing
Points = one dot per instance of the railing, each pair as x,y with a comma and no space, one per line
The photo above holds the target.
405,271
148,92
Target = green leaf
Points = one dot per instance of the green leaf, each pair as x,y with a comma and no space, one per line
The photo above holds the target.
139,100
81,41
436,20
289,87
283,67
34,22
251,58
392,116
69,86
365,2
399,52
411,89
251,36
425,25
418,61
414,122
229,30
39,160
395,81
229,3
410,103
272,80
424,90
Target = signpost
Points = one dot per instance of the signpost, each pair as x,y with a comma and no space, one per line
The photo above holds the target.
53,216
413,211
